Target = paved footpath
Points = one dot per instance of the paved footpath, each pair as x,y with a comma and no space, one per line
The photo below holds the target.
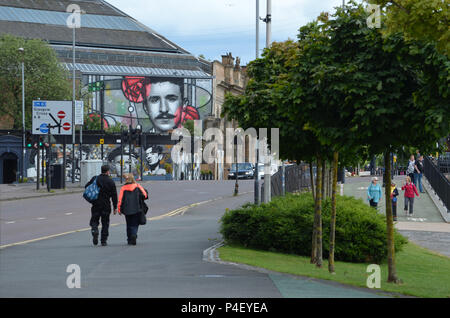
167,262
425,227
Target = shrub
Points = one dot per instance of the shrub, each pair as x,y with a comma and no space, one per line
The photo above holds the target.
285,225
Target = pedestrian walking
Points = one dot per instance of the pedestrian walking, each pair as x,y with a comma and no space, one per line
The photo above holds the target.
132,205
394,194
418,174
101,208
410,189
411,168
374,193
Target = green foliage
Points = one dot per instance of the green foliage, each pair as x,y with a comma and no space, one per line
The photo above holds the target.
168,168
286,223
419,20
44,77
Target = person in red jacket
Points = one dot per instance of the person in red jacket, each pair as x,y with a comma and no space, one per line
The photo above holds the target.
410,189
130,204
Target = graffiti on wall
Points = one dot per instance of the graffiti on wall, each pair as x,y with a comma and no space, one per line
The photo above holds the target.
157,104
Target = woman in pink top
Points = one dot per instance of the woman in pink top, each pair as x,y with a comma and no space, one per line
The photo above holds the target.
410,189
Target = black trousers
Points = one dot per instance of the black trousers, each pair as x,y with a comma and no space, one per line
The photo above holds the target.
96,217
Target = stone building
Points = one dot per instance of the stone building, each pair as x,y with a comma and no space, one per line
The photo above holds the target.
228,77
118,59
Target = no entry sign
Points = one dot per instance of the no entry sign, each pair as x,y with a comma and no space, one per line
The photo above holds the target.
54,114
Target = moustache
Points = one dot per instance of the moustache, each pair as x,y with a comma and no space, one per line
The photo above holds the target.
165,116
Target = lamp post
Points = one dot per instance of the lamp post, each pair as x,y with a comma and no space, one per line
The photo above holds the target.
22,51
130,130
236,185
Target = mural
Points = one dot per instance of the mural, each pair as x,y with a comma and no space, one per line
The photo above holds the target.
157,104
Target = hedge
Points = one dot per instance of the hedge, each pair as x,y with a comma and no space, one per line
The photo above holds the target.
285,225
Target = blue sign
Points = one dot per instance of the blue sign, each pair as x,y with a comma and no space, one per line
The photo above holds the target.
40,104
43,128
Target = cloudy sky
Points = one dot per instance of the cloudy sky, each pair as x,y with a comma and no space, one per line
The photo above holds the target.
215,27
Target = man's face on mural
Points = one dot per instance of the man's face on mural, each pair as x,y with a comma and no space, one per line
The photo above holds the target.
152,157
163,102
126,165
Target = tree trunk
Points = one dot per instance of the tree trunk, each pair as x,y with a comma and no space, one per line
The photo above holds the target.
315,194
392,274
333,212
311,175
319,194
324,164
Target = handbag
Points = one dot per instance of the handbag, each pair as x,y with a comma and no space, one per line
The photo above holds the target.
142,219
144,210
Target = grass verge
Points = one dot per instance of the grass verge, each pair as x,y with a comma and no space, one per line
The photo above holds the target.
423,272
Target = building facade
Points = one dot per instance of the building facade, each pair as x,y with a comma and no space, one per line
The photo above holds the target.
126,73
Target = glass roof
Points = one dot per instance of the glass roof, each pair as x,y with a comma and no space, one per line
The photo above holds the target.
59,18
96,69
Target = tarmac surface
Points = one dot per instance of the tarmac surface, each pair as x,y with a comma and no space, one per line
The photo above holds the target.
167,262
169,258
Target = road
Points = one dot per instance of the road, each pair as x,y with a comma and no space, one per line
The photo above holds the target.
167,262
28,219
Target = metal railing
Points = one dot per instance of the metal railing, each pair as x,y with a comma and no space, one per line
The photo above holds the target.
438,181
296,179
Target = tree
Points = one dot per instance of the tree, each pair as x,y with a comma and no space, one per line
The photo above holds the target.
392,87
44,77
266,103
419,20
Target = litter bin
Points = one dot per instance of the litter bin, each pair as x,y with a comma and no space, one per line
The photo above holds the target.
57,176
89,169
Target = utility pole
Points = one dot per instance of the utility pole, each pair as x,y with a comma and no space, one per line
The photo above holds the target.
256,174
21,50
257,28
73,104
268,21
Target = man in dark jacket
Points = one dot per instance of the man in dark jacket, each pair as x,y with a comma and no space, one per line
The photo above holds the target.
101,208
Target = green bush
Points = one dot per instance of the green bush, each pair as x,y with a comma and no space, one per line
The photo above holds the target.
285,225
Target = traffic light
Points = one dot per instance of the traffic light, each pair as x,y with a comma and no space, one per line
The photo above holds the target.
28,140
124,137
134,136
96,86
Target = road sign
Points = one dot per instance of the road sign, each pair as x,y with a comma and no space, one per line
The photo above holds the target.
66,126
57,114
102,141
79,112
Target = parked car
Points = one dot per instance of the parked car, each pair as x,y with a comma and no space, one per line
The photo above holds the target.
244,171
273,169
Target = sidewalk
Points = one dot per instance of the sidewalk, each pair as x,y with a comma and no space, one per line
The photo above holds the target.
17,191
426,227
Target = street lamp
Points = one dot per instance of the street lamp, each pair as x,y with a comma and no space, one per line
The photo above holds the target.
22,53
236,185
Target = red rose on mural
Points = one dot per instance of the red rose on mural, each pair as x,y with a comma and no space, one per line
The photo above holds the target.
185,113
135,87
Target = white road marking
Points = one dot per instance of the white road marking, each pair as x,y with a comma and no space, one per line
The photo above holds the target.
417,219
69,213
41,218
10,222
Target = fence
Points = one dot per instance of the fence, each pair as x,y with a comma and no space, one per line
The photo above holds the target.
296,179
437,180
